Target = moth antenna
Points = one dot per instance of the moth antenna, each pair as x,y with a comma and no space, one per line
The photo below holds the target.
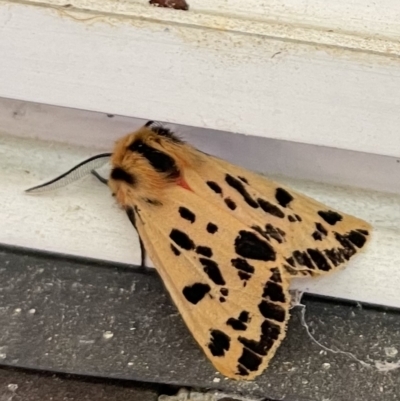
99,177
74,174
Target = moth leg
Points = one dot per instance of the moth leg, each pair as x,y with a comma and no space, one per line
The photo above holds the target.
99,177
132,217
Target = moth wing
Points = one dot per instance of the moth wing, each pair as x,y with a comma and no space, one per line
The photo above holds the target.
313,238
224,278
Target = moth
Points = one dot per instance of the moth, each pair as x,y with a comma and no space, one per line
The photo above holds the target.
225,241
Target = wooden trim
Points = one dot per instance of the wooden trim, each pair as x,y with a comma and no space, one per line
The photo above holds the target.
251,76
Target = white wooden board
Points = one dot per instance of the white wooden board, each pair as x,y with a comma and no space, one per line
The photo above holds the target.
100,130
263,77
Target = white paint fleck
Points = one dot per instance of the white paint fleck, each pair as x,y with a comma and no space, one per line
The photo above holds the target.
130,363
304,381
391,351
108,334
3,356
216,380
326,365
17,311
32,311
12,387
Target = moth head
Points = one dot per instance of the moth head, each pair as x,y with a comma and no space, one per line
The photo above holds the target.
145,162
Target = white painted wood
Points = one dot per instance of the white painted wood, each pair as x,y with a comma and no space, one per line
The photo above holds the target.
368,17
374,20
266,78
307,162
83,220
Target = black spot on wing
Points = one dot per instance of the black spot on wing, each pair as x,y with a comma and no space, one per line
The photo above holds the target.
334,256
317,236
224,291
119,174
348,249
356,238
212,228
274,232
321,228
230,203
276,275
319,259
250,360
160,161
270,330
260,231
238,185
269,334
243,265
250,246
345,253
320,232
364,232
283,197
187,214
291,261
274,292
244,276
196,292
241,371
272,311
219,343
291,219
244,316
236,324
215,187
330,216
175,250
298,218
244,180
181,239
205,251
222,300
302,259
245,269
153,202
212,270
271,209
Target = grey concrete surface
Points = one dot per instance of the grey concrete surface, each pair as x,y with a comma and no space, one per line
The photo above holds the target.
17,385
93,318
